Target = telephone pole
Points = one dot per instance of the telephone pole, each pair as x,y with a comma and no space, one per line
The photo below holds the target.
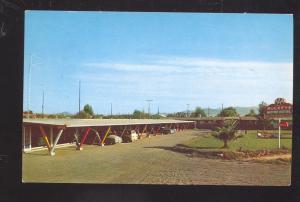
111,110
79,97
149,107
29,86
187,109
222,111
43,105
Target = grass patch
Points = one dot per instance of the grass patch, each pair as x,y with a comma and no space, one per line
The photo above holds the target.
248,142
246,147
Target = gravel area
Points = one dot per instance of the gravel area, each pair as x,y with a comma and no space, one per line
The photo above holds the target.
148,161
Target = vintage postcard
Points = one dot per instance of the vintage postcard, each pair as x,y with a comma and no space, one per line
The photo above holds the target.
157,98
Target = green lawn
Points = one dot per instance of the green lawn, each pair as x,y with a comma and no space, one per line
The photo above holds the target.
248,142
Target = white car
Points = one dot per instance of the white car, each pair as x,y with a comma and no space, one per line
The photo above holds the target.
113,139
131,136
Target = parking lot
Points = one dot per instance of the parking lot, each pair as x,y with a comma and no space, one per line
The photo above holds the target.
148,161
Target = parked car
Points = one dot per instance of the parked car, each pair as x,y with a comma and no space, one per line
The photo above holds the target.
166,130
173,131
113,139
130,136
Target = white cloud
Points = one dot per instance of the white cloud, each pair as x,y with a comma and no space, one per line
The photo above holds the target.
179,79
213,68
135,67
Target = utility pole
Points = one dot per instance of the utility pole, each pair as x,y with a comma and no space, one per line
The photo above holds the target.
207,111
79,97
111,110
222,111
141,114
187,109
29,86
149,107
43,106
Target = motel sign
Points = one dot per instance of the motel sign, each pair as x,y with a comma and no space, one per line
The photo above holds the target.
280,109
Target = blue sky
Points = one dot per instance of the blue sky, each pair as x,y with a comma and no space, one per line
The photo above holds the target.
175,59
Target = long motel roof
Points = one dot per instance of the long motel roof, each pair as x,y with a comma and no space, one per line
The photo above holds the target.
73,123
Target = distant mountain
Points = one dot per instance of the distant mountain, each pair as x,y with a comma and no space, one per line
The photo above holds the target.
65,114
245,110
242,111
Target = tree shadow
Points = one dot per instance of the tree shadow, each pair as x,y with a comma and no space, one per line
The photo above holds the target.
190,151
162,147
182,145
186,151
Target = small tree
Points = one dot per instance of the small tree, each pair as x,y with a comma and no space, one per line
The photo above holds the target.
137,114
82,115
227,132
88,109
199,112
228,112
251,113
261,111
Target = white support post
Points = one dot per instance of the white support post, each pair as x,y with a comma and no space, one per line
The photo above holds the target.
123,131
98,136
76,140
29,138
51,136
24,141
279,130
52,153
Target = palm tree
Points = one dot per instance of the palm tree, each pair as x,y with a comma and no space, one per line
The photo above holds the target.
227,132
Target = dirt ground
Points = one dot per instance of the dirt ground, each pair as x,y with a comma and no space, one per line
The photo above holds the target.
148,161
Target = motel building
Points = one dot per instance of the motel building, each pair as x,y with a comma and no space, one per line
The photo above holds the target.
49,134
38,133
